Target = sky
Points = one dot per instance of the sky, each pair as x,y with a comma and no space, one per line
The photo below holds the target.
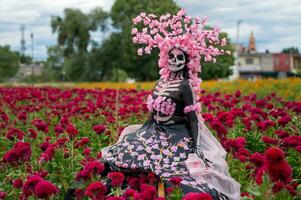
276,23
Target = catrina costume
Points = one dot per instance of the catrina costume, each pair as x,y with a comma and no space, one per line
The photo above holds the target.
175,141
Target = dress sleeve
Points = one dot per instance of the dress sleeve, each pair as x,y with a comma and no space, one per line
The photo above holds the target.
191,110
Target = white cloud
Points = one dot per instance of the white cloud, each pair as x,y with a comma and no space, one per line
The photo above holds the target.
275,23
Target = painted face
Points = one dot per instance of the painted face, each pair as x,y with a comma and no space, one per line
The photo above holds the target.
176,60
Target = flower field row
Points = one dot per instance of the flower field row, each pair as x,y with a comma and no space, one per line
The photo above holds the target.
51,137
286,88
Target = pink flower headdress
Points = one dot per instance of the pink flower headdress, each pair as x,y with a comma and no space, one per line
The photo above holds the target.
178,31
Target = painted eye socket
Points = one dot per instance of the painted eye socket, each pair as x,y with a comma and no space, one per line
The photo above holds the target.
180,57
171,56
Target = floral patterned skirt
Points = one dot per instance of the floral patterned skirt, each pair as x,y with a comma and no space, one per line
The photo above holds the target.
162,150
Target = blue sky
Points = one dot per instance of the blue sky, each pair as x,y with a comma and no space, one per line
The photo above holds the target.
275,23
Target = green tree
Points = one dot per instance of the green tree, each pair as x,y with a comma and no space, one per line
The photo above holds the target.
221,68
74,36
54,66
24,58
290,50
125,52
9,63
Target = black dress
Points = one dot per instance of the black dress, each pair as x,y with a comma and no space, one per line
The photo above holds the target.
166,143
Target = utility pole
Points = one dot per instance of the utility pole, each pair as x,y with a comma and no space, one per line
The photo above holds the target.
32,63
236,67
23,47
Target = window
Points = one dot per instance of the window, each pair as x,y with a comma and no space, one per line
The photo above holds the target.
249,61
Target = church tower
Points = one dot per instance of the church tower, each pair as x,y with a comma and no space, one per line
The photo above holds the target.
252,43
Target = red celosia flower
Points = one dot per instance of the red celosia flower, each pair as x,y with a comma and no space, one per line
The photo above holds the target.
278,186
129,193
237,94
284,120
21,152
281,133
14,133
95,167
45,189
133,182
169,190
32,133
176,181
44,157
79,193
269,140
29,185
40,125
82,143
151,178
83,174
99,155
298,148
148,192
58,129
3,195
17,183
99,128
197,196
71,130
44,145
257,159
115,198
277,167
116,178
96,191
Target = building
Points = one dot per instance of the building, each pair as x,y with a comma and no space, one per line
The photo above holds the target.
26,70
253,64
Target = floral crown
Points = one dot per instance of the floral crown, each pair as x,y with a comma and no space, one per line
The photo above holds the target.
178,31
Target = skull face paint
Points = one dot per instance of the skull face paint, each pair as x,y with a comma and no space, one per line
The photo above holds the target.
176,60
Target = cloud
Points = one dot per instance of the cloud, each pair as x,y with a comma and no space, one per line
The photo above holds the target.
275,23
36,15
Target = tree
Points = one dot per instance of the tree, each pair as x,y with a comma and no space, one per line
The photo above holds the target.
24,58
125,52
54,66
9,63
290,50
74,36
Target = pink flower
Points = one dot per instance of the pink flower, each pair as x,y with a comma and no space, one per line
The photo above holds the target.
195,107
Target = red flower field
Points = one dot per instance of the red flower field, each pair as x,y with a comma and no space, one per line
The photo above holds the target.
51,137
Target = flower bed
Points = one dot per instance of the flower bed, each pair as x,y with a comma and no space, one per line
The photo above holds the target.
51,137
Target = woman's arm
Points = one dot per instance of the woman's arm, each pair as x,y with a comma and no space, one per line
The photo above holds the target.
192,109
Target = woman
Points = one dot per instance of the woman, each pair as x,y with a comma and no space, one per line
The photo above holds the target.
175,142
